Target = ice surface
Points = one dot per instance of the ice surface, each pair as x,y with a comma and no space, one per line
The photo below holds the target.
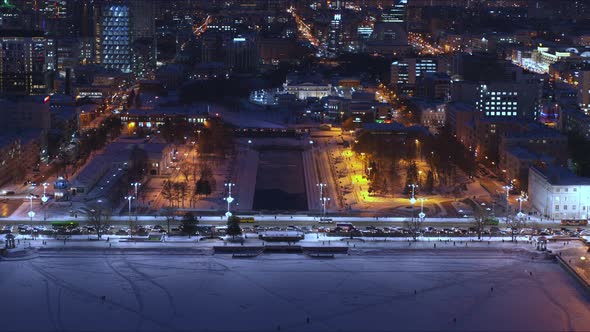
166,292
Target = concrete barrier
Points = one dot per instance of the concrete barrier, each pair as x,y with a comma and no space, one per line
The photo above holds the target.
571,271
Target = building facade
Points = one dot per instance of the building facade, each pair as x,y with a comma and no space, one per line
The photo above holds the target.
26,59
115,37
556,193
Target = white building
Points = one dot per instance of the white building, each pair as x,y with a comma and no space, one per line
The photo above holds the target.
308,89
557,193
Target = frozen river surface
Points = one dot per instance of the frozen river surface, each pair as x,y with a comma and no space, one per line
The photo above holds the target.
158,292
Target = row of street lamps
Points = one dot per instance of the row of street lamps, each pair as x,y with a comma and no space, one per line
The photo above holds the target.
44,199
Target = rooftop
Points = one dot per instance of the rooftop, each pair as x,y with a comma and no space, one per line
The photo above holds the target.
560,176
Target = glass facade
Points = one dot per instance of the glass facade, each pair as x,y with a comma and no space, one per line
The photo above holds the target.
116,38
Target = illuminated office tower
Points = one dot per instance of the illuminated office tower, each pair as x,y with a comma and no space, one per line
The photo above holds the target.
26,58
115,36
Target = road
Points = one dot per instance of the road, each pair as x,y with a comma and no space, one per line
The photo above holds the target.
270,219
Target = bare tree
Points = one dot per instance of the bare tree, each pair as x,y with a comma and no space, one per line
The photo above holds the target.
516,225
479,223
180,191
98,217
186,169
414,226
168,191
170,215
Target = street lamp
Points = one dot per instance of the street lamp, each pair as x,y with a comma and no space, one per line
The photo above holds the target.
324,201
507,187
422,215
229,198
31,212
413,198
44,199
45,185
322,186
136,185
129,198
523,198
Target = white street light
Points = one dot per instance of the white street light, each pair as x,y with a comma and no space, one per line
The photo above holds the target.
422,215
523,198
31,212
136,184
129,198
507,187
229,199
324,202
322,186
413,198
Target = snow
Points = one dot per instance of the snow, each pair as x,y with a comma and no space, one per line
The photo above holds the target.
159,291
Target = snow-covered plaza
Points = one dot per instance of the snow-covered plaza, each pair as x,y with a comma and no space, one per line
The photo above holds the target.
374,291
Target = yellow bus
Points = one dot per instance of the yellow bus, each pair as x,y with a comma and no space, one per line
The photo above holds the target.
247,219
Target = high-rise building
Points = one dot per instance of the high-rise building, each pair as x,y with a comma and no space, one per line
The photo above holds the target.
143,17
242,54
26,59
115,36
584,89
396,13
55,9
521,99
335,33
409,70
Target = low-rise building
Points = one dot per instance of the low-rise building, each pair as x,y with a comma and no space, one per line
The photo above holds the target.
538,139
19,153
461,119
307,86
140,118
557,193
572,120
515,162
432,115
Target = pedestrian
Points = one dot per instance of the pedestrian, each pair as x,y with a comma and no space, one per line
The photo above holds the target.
307,320
492,289
531,273
435,246
454,320
415,292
